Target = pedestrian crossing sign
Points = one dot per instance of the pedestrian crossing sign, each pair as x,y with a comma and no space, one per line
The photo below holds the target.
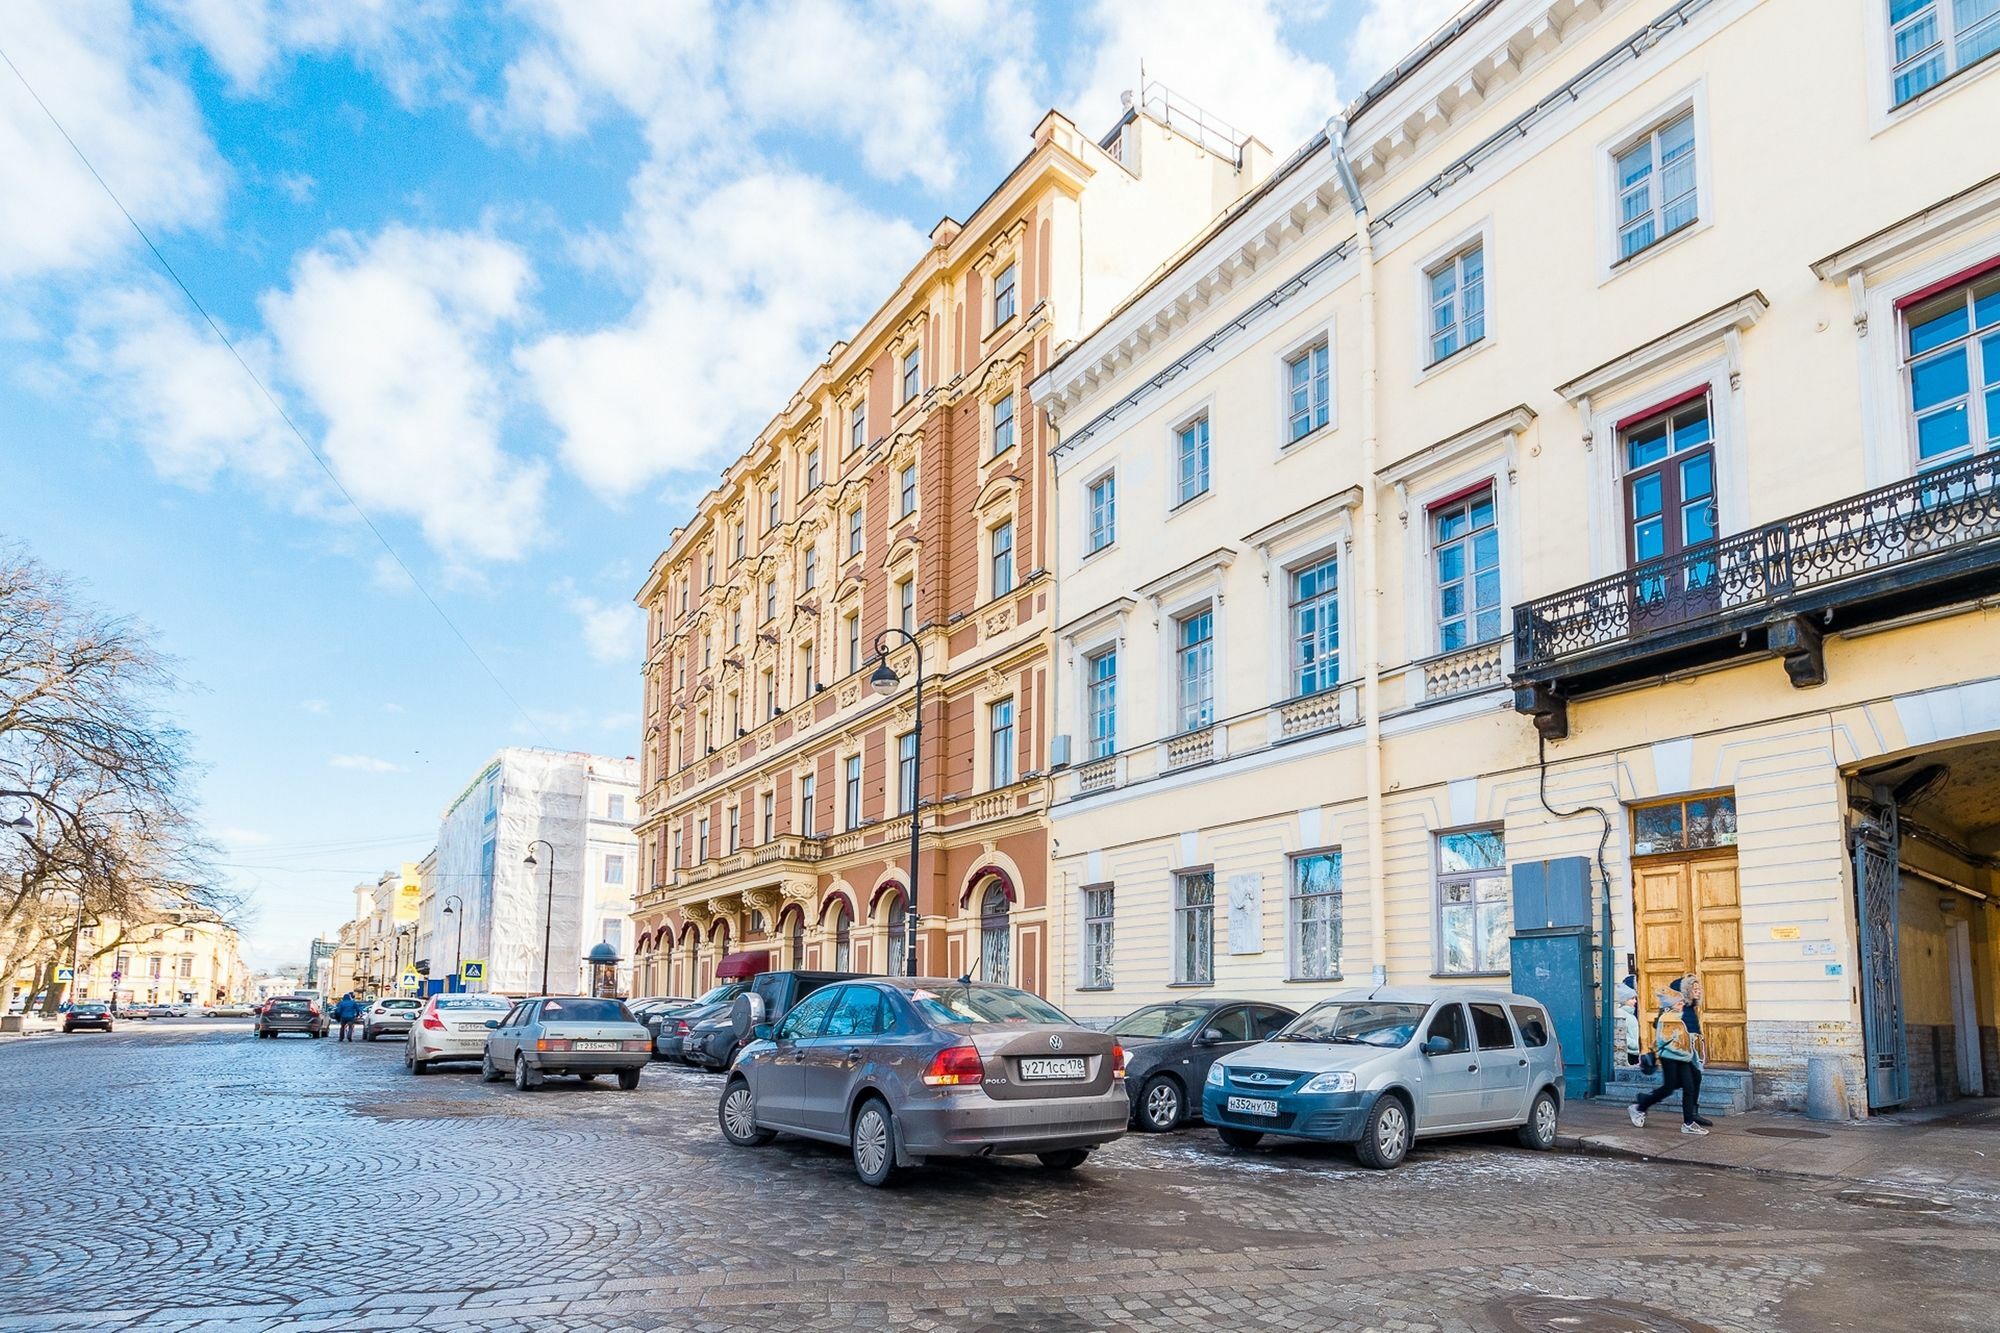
472,969
65,974
411,980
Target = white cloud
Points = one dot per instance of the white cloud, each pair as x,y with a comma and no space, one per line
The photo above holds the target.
1388,30
393,340
140,129
1239,69
612,631
741,300
316,706
392,708
401,39
655,61
363,763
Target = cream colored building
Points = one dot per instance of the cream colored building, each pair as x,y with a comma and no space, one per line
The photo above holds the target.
1651,422
179,959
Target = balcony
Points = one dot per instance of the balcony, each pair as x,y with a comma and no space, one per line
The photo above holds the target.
1898,550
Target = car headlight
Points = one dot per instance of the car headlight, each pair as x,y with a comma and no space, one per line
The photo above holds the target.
1338,1082
1215,1076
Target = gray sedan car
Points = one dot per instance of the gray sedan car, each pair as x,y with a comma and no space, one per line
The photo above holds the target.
1381,1068
904,1069
565,1034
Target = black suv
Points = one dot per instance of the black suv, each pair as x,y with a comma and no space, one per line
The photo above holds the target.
714,1042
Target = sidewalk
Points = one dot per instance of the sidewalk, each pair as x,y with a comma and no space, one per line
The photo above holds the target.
1954,1147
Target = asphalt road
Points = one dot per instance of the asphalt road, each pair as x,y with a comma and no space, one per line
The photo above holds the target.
179,1175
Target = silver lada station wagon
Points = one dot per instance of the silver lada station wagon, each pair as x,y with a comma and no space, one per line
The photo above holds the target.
1383,1067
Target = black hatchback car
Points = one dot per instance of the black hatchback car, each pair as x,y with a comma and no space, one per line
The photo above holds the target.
1169,1047
88,1014
292,1013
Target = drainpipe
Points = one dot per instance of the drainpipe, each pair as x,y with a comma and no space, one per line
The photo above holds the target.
1371,593
1059,905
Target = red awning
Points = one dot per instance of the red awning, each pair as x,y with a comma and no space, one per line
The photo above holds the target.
745,964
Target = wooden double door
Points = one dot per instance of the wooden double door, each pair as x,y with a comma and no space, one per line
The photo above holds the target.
1690,919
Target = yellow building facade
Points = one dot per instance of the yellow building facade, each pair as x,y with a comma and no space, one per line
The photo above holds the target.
179,959
1582,449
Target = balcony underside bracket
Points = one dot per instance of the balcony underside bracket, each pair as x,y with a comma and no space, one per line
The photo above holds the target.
1798,640
1539,700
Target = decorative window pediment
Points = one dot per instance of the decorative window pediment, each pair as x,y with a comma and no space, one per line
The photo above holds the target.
1702,334
1192,575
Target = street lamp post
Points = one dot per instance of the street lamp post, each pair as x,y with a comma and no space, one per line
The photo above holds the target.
458,950
549,917
884,680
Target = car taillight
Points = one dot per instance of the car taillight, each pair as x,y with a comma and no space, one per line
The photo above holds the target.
433,1022
552,1043
1117,1060
955,1065
680,1028
312,1011
635,1045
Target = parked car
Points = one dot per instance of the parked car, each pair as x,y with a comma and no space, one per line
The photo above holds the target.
1382,1068
566,1034
451,1026
388,1016
291,1013
1169,1048
146,1011
670,1043
228,1009
176,1010
904,1069
88,1014
714,1042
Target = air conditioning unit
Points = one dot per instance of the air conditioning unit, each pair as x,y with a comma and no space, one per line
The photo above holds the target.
1058,752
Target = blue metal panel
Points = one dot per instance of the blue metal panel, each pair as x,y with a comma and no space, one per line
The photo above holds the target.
1552,895
1555,968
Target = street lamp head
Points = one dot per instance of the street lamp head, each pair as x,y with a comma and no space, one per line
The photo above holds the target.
885,680
448,910
529,859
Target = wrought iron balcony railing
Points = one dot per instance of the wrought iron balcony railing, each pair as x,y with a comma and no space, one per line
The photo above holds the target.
1864,558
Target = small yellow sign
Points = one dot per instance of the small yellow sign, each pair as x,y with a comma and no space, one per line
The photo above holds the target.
472,969
1784,932
411,981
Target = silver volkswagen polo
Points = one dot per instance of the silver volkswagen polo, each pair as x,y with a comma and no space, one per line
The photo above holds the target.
1383,1067
901,1070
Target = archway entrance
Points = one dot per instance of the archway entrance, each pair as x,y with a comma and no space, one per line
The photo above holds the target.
995,933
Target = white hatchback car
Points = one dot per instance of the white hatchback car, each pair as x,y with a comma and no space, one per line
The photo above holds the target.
452,1026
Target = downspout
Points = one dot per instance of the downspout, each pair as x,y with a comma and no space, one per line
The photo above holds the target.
1060,963
1606,1039
1371,593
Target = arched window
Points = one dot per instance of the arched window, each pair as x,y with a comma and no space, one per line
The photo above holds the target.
843,938
798,939
994,933
897,906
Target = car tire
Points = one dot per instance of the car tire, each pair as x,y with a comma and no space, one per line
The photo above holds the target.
737,1114
1385,1138
488,1071
872,1141
1065,1159
628,1080
1240,1138
1539,1132
1162,1104
420,1066
525,1079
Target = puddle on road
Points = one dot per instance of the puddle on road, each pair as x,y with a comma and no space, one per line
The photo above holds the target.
1559,1314
1895,1201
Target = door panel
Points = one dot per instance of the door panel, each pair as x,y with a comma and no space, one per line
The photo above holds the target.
1691,920
1450,1097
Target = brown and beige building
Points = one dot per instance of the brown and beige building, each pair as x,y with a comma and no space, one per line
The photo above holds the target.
906,484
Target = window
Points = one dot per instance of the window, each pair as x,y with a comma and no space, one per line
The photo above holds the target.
742,539
898,908
1684,825
1449,1022
677,849
1000,727
1465,554
1475,902
812,469
912,372
1656,186
614,869
861,1012
770,815
995,934
1006,294
906,605
1952,363
1308,392
1191,459
736,628
807,672
857,426
1534,1024
708,570
1315,916
807,791
853,791
771,510
1669,462
735,827
1003,559
684,598
854,641
700,840
1101,702
770,599
812,568
1195,668
798,940
187,963
614,807
906,491
1194,928
707,651
808,1015
1102,508
906,772
1937,38
1491,1029
1316,627
853,532
1003,425
770,693
1097,938
1458,302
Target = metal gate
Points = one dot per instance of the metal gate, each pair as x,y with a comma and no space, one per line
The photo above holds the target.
1878,885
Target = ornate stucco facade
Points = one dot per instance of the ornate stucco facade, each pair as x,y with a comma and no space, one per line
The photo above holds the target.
906,483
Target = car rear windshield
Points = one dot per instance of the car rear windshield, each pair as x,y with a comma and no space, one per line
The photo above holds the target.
721,993
1159,1020
91,1008
399,1004
984,1004
291,1006
584,1011
1359,1023
474,1002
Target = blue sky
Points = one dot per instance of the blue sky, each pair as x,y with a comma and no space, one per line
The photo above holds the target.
526,275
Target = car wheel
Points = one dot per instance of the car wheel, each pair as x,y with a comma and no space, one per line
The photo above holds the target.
628,1080
737,1113
1239,1138
873,1139
1161,1103
1540,1131
1385,1139
1068,1159
420,1066
488,1071
525,1079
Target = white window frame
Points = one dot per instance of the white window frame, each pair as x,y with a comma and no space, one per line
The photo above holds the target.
857,425
851,793
1435,607
1478,237
1099,905
906,784
1289,353
812,468
1977,389
1291,570
809,569
1011,285
1294,968
1183,971
1089,510
854,656
1013,423
857,522
1088,659
1175,650
909,367
1001,759
1884,110
994,556
808,804
1439,878
908,488
1201,423
906,603
1693,101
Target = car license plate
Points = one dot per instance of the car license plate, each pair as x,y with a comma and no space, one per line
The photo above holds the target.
1052,1068
596,1046
1253,1106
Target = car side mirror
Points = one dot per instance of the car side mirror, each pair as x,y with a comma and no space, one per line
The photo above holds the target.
1437,1045
492,1023
1212,1037
761,1032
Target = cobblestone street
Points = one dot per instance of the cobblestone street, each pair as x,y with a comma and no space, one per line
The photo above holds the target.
183,1175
